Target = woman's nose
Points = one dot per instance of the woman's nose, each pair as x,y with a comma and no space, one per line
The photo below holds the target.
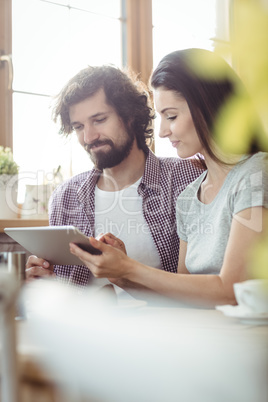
164,130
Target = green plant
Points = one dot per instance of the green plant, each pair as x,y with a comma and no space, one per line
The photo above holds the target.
249,50
7,164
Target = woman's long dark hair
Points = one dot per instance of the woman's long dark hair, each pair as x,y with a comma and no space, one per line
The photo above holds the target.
205,92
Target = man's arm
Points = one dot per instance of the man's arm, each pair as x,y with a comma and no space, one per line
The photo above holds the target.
38,268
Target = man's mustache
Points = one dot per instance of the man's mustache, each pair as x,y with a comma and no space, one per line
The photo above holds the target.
97,143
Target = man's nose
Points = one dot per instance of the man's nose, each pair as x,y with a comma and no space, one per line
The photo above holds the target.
90,134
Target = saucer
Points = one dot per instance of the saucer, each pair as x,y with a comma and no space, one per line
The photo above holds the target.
244,315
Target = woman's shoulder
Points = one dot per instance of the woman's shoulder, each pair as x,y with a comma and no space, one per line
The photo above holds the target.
256,163
260,159
192,188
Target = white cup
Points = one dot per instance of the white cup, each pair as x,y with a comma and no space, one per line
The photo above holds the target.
253,294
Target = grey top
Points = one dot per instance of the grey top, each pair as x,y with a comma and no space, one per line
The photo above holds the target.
206,227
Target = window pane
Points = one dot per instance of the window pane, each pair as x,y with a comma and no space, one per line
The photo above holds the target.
38,148
62,2
94,40
180,24
37,144
51,43
40,46
105,7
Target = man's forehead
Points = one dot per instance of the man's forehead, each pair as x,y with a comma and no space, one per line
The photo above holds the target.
95,104
98,96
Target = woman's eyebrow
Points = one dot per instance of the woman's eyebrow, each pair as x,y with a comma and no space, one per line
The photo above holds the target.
168,108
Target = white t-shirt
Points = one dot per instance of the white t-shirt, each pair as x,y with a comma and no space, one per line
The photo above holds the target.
120,212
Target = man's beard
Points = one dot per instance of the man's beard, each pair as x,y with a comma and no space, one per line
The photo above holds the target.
113,157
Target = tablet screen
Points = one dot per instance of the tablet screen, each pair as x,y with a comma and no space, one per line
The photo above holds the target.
52,242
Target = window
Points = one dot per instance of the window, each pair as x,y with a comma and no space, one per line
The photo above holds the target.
52,41
180,24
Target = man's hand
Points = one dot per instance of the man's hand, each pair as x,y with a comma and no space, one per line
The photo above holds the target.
38,268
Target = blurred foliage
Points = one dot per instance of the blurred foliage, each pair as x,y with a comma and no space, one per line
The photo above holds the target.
245,119
7,164
249,50
243,122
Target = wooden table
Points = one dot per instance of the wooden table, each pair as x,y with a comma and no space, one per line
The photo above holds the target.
8,244
19,222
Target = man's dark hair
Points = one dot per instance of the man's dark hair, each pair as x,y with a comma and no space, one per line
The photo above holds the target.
126,94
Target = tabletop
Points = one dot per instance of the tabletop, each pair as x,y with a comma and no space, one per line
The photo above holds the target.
150,352
79,349
20,222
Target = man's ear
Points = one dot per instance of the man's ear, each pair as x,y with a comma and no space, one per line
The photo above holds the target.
129,123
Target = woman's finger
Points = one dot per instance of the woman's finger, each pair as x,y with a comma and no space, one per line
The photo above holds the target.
115,242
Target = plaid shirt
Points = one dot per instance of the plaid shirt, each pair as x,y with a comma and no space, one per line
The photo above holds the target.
73,203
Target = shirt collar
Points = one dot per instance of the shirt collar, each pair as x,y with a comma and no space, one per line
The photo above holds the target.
150,179
151,176
87,188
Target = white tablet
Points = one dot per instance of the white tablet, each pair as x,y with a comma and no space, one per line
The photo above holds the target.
52,242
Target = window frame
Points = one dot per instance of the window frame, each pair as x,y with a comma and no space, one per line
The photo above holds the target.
5,91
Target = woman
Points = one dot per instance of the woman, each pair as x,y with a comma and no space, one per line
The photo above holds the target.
221,214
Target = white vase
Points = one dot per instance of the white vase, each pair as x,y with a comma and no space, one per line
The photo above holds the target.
36,201
8,196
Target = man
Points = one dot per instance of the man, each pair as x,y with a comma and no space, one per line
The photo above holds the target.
130,192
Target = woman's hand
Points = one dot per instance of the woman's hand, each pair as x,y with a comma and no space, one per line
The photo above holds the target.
112,240
112,263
